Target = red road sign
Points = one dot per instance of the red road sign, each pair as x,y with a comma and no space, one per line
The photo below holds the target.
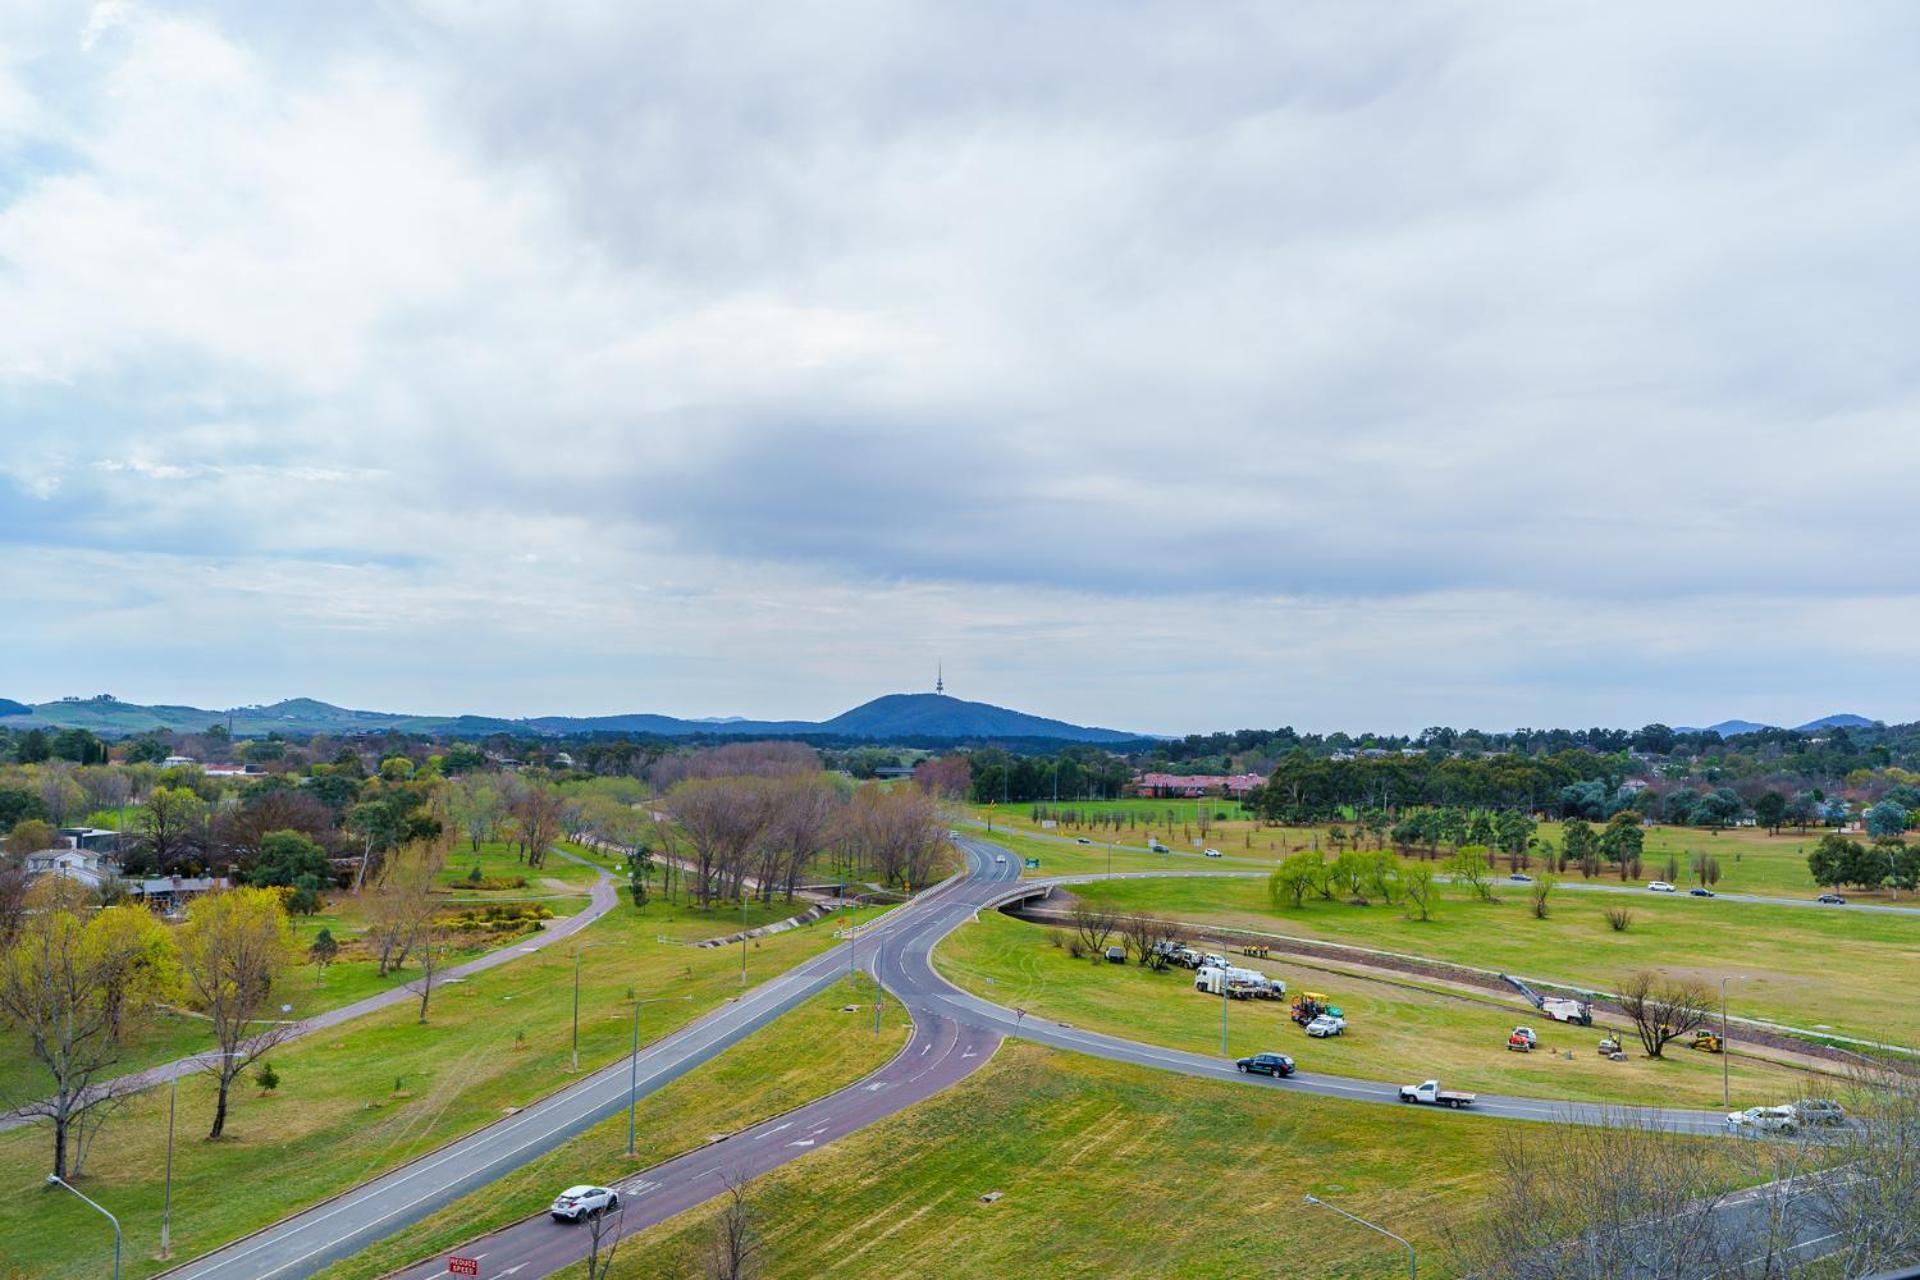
463,1266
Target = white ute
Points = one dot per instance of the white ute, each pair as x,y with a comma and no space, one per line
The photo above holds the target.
1430,1092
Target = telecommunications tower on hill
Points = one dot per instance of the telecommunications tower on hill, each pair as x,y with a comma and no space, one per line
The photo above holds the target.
939,678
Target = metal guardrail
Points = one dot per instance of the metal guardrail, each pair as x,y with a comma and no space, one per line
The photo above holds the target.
1904,1273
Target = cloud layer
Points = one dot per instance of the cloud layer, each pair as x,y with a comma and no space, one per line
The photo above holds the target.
1175,369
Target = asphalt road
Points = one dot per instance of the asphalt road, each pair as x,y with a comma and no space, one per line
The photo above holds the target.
308,1241
954,1034
604,896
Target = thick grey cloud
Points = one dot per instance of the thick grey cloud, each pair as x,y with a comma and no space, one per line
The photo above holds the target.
1300,362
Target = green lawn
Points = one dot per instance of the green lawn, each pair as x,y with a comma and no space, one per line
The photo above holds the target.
310,990
1751,861
1396,1034
801,1056
1107,1170
380,1091
1800,966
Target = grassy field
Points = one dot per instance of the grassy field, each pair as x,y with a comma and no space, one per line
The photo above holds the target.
373,1094
1751,861
1800,966
804,1055
1396,1034
309,989
1063,857
1106,1170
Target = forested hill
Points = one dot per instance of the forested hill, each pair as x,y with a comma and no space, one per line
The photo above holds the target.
893,717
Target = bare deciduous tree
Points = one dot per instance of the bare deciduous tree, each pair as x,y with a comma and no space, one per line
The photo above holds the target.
1663,1009
1871,1206
1093,923
603,1240
402,901
734,1249
431,946
1623,1199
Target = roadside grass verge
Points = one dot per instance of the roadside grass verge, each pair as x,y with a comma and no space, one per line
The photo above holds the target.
1111,1170
1395,1034
806,1054
367,1096
1805,967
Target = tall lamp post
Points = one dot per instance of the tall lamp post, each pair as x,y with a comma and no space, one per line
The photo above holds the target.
1726,1057
633,1066
55,1180
1413,1263
576,1003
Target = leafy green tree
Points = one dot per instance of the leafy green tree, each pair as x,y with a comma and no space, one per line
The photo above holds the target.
30,836
1624,839
1886,819
17,804
1295,877
79,746
1836,861
1770,811
1471,868
169,825
290,858
32,747
1417,886
323,949
1578,843
147,750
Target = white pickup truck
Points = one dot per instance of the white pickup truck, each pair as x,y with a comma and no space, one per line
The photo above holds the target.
1433,1095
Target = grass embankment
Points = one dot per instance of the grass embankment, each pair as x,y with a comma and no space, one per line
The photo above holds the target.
368,1096
1751,861
1106,1170
804,1055
1396,1033
1801,966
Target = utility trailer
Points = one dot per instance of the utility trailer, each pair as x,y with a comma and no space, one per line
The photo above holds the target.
1557,1008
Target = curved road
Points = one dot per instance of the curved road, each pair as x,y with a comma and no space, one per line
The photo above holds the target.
604,897
954,1034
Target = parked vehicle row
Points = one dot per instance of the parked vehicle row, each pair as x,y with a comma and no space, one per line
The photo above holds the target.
1788,1119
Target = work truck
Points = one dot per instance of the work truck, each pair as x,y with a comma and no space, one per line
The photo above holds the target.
1430,1092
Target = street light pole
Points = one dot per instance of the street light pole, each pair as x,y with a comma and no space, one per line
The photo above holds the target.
1413,1263
54,1179
576,1008
1223,1013
166,1202
633,1067
1726,1058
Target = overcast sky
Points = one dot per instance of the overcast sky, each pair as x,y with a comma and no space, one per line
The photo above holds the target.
1169,367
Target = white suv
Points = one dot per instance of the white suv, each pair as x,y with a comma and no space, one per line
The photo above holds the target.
1763,1120
1326,1025
576,1203
1661,886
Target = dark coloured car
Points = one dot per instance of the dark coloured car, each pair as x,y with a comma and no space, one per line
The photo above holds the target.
1832,899
1700,893
1266,1064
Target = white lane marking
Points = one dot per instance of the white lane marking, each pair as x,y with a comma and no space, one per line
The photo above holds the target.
777,1128
803,1142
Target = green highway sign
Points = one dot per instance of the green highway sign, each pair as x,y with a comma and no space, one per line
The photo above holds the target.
1033,864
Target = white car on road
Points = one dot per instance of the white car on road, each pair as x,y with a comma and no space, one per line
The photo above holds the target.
1661,886
576,1203
1214,853
1763,1120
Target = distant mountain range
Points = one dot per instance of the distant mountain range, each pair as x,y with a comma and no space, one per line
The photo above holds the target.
894,717
1730,728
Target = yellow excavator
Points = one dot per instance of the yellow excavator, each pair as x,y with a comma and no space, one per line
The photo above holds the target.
1707,1042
